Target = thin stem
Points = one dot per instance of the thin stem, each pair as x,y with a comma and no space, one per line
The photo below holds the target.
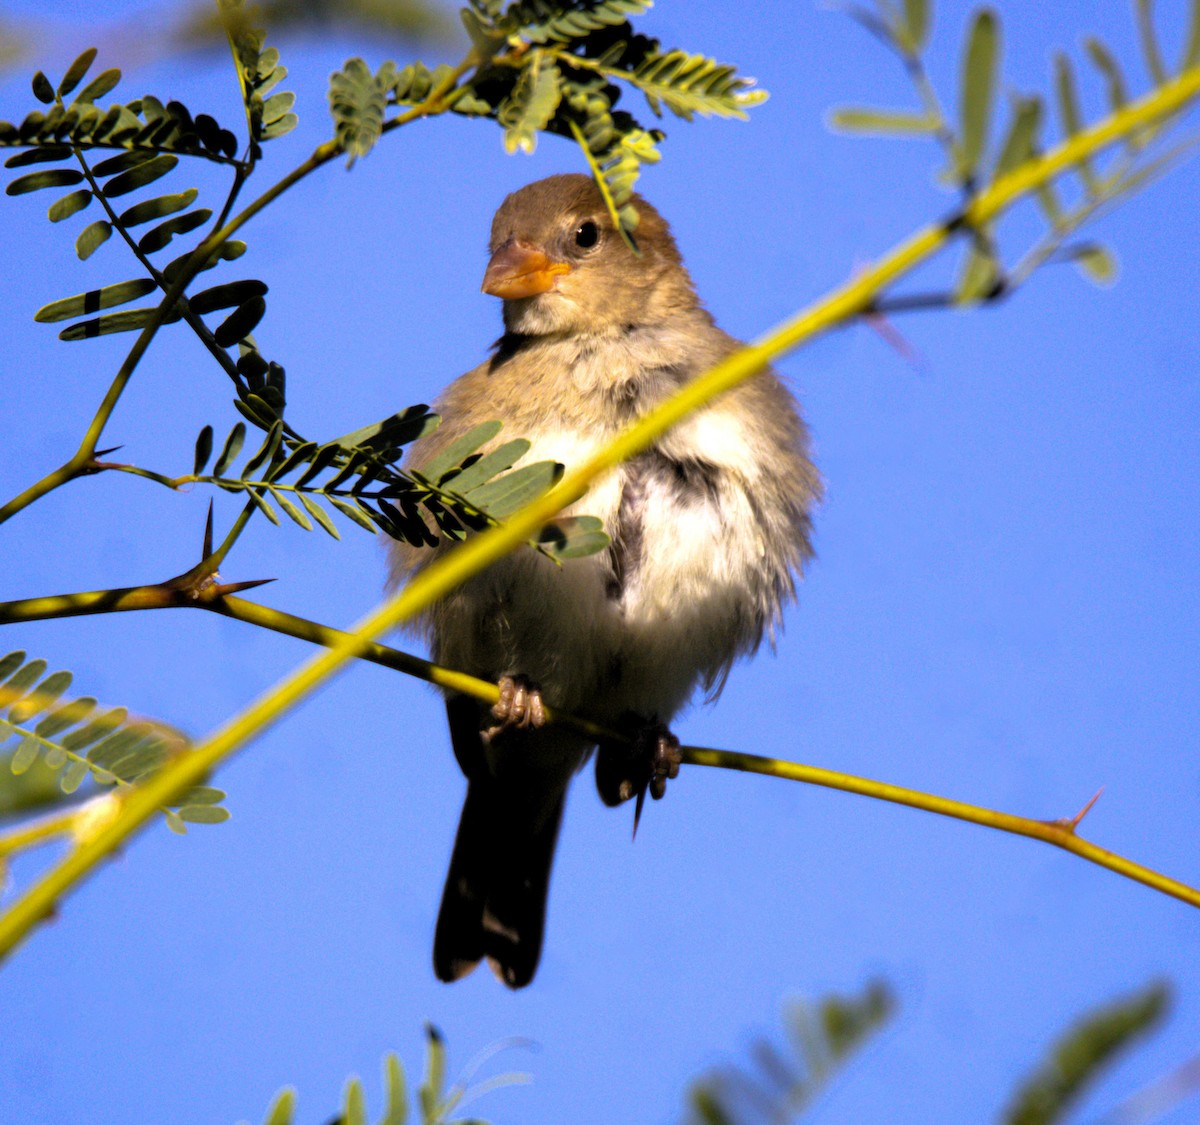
480,551
80,464
66,472
38,832
929,101
1060,833
193,320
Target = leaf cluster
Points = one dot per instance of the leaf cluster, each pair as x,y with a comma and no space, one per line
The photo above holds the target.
358,476
781,1085
977,155
554,66
435,1102
259,72
143,123
1083,1053
79,741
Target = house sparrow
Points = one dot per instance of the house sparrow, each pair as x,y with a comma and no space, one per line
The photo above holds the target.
708,530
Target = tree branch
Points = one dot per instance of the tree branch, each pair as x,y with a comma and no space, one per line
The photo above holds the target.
480,551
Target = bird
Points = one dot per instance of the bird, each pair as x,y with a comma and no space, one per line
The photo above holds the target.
709,529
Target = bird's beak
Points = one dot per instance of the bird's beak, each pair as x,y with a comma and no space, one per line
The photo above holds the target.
520,270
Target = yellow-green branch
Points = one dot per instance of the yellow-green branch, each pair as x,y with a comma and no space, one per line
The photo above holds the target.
1060,833
486,548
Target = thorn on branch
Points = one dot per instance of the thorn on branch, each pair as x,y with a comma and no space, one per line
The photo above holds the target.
1071,823
212,592
207,549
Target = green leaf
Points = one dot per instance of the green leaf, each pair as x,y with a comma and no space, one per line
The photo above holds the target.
301,454
226,252
687,84
48,178
280,127
290,509
459,450
42,90
68,715
573,537
94,300
1191,50
122,162
1083,1053
882,122
283,1108
352,512
916,25
1107,65
130,321
91,238
575,23
9,664
1097,263
231,448
1022,138
394,431
158,208
175,822
204,448
140,176
73,776
39,698
43,154
203,814
25,755
978,84
532,104
226,296
319,514
160,236
1149,41
357,101
430,1092
104,82
488,466
100,727
76,71
1068,109
69,205
354,1109
21,680
240,323
396,1109
276,106
265,453
502,497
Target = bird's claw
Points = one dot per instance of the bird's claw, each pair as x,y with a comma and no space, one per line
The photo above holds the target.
519,707
625,771
664,763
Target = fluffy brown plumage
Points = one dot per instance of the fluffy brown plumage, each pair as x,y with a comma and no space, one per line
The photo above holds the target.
709,529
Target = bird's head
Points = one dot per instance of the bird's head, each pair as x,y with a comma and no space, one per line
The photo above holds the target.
562,267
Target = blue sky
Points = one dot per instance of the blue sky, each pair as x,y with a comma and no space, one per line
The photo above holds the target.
1002,610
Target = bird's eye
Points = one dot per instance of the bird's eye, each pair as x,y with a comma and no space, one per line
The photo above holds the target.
587,234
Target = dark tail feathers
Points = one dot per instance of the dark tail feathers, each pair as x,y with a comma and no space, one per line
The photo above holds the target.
494,904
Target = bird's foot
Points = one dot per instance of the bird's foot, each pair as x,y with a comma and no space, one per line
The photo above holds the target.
624,771
518,708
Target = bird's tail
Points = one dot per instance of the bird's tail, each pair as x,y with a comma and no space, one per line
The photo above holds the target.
494,904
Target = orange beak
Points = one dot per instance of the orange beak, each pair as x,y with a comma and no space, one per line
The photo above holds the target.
520,270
